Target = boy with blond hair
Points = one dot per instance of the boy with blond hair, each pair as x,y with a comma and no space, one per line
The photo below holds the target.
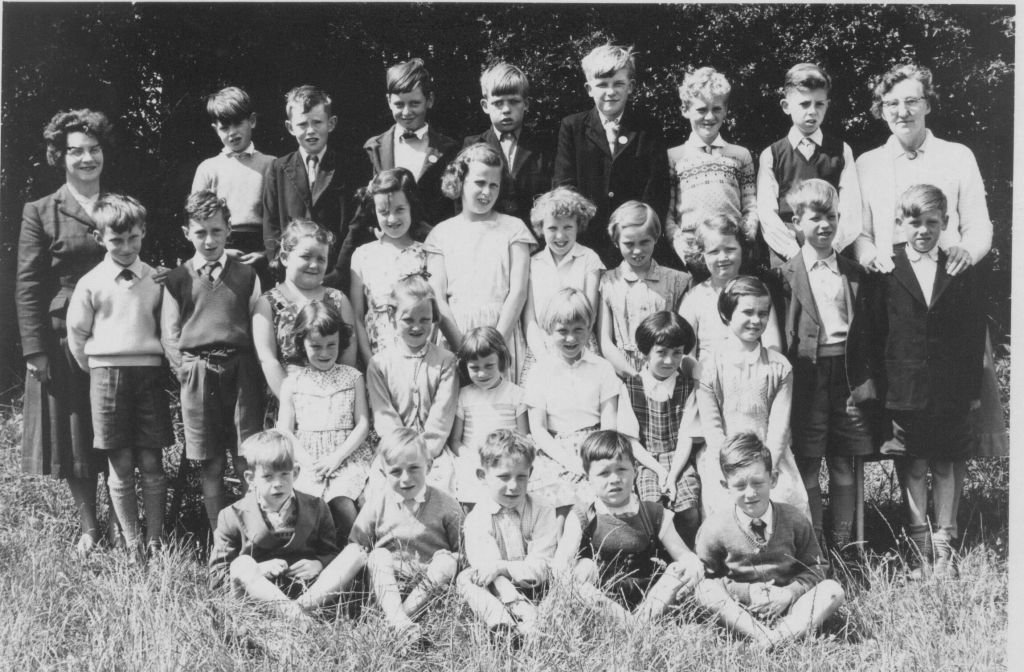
527,163
612,153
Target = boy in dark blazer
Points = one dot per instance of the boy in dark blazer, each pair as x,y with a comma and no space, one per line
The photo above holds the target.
834,366
527,163
306,184
931,328
612,154
275,541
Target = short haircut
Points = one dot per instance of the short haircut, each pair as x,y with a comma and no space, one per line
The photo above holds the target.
565,306
884,84
272,449
85,121
562,202
414,288
404,77
202,205
119,213
304,98
298,229
504,79
742,450
388,182
455,172
604,444
806,76
741,285
607,59
633,214
482,342
667,329
919,199
723,225
504,444
230,105
319,319
395,442
815,195
705,83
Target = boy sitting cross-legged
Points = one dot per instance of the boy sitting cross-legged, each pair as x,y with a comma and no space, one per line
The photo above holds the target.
510,537
763,561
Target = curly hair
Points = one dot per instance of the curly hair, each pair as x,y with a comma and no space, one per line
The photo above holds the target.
884,84
90,122
455,172
298,229
703,83
201,205
562,203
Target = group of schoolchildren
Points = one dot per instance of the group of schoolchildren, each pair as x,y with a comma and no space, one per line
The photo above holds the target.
660,420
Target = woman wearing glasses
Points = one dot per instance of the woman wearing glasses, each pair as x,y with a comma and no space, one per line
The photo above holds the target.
56,247
903,97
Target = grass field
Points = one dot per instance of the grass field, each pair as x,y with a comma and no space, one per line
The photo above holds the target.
60,613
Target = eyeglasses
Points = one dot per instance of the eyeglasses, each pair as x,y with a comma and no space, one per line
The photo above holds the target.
79,152
909,103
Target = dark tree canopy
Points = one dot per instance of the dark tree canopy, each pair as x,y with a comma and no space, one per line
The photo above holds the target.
150,66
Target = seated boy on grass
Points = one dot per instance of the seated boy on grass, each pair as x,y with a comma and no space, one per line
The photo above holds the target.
510,538
274,543
766,575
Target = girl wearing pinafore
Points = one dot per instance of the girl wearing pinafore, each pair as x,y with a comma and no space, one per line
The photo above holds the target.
324,402
483,269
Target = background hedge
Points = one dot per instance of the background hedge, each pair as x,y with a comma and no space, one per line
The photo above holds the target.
150,66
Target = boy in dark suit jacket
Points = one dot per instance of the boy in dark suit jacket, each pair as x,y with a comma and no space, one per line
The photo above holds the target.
931,328
834,367
276,540
527,163
306,184
612,155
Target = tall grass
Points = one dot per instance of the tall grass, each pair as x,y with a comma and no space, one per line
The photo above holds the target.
60,613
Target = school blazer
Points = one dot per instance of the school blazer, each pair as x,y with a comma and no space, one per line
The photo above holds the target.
242,530
637,171
933,353
56,247
441,150
803,326
286,196
528,177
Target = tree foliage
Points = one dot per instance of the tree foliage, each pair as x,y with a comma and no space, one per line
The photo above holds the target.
149,67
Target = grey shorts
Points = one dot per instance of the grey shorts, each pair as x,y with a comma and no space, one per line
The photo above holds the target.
130,408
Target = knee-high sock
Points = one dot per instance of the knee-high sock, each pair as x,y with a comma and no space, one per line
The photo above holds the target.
154,497
842,502
126,506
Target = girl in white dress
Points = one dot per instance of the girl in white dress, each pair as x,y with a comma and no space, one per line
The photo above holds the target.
481,273
324,403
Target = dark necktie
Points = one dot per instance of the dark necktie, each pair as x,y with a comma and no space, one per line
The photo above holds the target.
126,275
758,526
410,136
209,269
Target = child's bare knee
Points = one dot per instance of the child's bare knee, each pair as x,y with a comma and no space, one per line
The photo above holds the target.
585,571
243,568
710,594
832,591
443,567
379,558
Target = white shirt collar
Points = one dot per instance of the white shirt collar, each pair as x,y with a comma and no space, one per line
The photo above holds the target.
492,507
515,134
420,132
632,276
546,256
663,388
199,261
248,151
319,155
914,256
895,148
605,121
695,141
587,356
87,202
116,268
768,517
795,136
631,508
811,258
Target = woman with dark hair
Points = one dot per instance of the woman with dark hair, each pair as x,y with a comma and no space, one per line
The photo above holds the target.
56,247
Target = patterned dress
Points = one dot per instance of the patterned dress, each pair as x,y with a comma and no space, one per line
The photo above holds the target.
477,262
380,266
659,429
324,403
284,314
747,391
631,298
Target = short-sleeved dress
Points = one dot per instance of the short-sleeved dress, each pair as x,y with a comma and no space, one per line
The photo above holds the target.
631,298
482,411
380,266
747,391
324,404
477,262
